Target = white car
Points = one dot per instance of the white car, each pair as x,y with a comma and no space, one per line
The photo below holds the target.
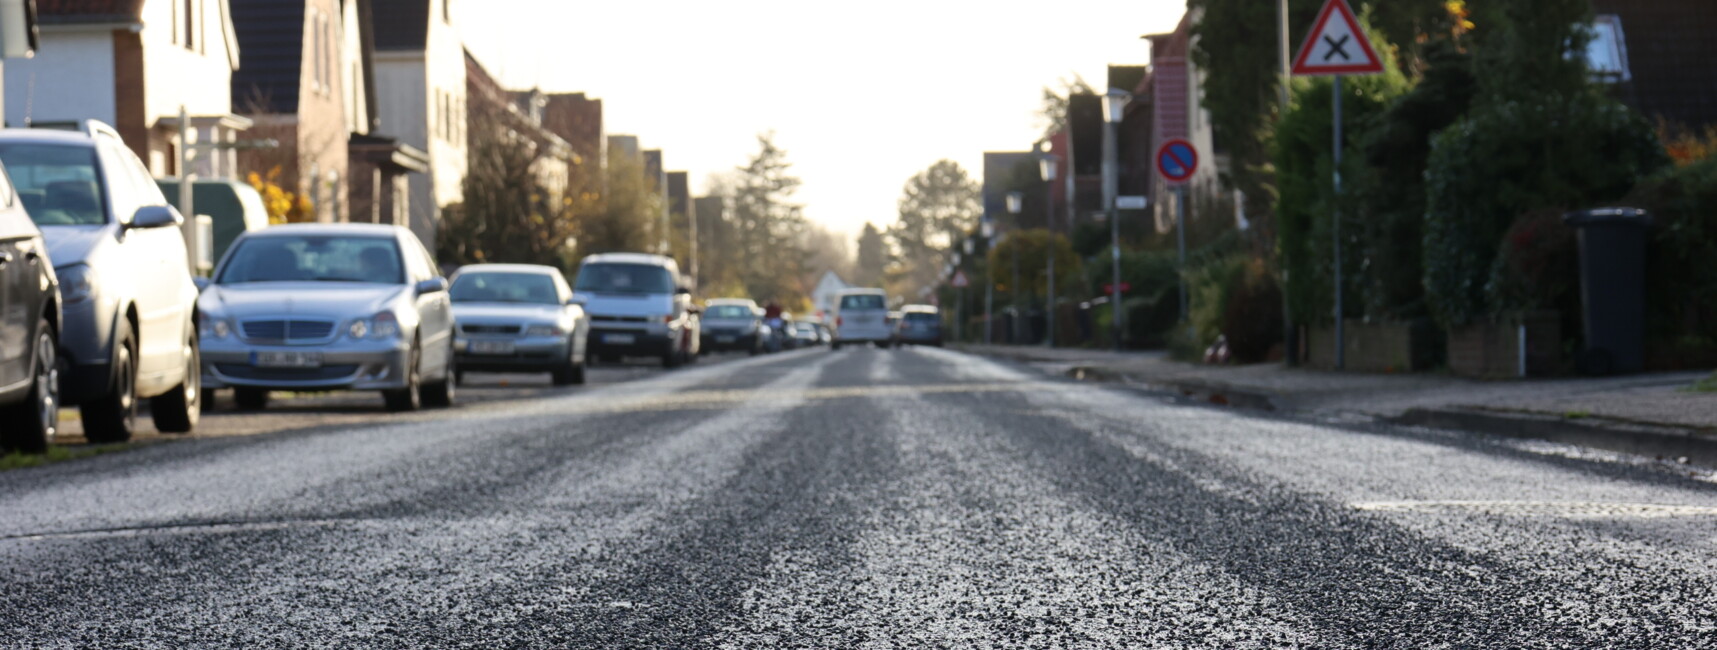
638,308
130,330
861,316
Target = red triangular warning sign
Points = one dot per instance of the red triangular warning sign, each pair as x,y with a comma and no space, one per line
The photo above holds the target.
959,281
1337,45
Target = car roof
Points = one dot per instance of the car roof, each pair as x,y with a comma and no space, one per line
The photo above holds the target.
542,269
921,309
47,136
630,258
860,292
290,229
731,301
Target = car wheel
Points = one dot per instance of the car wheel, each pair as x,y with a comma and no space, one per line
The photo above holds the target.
459,377
568,373
442,393
113,417
250,399
409,398
30,424
177,411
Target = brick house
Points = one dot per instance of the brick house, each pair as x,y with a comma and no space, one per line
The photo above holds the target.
295,82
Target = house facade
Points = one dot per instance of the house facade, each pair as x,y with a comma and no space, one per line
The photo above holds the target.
295,84
135,64
421,99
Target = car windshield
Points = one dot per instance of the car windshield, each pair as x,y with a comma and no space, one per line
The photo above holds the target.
921,317
624,278
862,301
314,258
729,311
57,183
533,288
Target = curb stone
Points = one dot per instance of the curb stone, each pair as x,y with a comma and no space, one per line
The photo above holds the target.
1663,442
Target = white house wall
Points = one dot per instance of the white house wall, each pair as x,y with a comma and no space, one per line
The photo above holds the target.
69,79
200,79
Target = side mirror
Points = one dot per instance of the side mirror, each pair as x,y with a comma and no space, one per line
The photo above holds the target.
432,285
202,283
156,216
682,291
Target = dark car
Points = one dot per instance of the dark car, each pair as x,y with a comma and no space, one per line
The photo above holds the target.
29,331
918,325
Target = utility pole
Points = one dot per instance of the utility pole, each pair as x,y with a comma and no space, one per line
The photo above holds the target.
1290,343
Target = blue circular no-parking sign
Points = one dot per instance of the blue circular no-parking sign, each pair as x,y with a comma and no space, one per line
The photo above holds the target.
1177,160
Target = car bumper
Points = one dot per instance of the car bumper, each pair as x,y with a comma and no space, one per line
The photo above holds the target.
715,341
629,342
539,354
367,365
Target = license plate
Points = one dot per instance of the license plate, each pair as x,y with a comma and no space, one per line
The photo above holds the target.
725,339
286,359
619,339
491,347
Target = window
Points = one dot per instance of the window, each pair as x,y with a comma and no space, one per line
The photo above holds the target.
530,288
57,183
188,22
862,301
1607,52
624,278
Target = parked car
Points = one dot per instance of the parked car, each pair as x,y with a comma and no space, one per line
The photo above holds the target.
518,318
129,330
320,307
638,307
919,325
805,335
733,324
861,316
29,331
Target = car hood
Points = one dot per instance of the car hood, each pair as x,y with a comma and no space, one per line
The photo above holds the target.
620,304
490,312
74,244
327,299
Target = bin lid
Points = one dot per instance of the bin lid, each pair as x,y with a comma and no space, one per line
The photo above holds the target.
1608,216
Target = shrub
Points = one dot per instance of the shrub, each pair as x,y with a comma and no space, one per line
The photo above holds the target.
1681,280
1507,159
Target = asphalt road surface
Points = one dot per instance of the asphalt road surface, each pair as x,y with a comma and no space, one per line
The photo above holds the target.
862,498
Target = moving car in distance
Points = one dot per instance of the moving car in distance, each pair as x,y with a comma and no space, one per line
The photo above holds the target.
129,331
518,318
320,307
733,324
805,335
919,325
29,332
638,308
861,316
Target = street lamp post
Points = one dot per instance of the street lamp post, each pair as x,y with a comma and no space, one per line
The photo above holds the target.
1115,108
960,325
1015,201
987,230
1046,169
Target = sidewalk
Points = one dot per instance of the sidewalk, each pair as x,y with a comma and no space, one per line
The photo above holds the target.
1639,413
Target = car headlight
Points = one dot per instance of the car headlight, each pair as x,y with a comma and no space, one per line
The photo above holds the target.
544,330
214,327
77,283
381,326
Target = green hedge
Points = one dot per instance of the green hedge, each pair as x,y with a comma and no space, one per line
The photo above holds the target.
1507,159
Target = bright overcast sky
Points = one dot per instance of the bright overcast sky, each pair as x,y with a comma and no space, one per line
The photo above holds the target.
861,95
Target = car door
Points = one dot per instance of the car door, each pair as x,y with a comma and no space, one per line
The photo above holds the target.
17,317
158,268
434,310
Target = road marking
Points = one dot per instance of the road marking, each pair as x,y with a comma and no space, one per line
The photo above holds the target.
210,528
1561,509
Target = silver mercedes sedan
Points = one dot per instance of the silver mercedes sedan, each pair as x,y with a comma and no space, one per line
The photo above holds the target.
518,318
320,307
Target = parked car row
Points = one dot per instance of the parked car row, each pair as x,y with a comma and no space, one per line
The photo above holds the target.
739,324
100,309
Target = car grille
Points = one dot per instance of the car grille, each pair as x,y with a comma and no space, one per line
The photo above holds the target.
252,373
288,330
491,329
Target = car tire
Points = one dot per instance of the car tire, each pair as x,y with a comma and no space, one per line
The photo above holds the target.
442,394
30,424
178,410
250,399
112,417
568,373
409,398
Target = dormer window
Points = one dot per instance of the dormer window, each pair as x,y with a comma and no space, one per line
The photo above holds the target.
1607,52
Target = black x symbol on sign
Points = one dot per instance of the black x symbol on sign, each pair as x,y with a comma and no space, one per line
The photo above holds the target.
1337,47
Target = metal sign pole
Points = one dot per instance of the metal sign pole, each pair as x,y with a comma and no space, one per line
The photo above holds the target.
1335,217
1180,242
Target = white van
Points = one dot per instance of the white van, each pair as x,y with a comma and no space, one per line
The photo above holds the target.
861,316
